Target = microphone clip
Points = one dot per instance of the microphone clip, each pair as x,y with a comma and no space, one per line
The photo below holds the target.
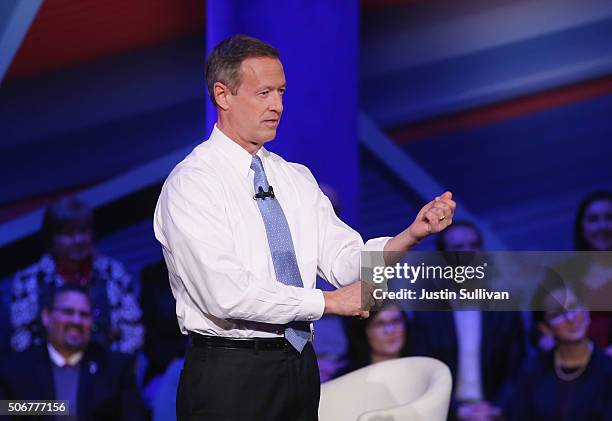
261,194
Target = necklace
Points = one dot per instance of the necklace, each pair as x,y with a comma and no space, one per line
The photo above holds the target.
568,377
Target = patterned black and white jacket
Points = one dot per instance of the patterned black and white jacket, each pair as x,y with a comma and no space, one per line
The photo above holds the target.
114,297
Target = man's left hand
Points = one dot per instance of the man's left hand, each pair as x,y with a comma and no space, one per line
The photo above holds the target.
433,217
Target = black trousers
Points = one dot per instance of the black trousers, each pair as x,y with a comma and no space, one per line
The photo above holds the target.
246,384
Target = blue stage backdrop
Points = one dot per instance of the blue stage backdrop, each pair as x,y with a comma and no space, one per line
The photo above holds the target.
318,42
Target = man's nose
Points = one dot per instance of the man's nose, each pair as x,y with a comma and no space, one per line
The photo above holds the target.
76,318
276,103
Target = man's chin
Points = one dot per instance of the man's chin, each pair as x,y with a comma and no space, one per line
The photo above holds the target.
269,136
74,348
75,344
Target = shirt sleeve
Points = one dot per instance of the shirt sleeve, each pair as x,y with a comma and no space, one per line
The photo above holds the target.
198,245
340,247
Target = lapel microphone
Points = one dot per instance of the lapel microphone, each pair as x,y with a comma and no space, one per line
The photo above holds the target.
261,194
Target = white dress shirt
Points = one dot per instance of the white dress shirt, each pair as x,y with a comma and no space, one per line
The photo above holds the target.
60,361
216,248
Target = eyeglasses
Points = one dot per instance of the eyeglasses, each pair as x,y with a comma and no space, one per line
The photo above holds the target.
569,313
387,325
70,312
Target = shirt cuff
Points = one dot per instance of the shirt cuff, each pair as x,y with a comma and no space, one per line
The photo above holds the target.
313,305
376,244
372,254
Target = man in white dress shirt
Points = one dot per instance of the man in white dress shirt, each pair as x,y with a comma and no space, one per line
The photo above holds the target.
242,270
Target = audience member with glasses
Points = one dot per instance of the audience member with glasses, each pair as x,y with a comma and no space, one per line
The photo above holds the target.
380,338
573,381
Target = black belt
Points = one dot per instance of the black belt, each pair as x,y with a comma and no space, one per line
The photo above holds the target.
256,344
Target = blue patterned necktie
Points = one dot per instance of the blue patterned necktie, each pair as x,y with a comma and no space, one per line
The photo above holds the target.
281,248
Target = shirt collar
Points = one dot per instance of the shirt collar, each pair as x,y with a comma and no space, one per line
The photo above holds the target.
60,361
239,158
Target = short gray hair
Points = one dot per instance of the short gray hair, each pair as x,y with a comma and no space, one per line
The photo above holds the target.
223,63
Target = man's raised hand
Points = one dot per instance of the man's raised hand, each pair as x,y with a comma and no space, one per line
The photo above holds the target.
433,217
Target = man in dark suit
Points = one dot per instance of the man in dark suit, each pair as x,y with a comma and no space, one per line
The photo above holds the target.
483,349
98,384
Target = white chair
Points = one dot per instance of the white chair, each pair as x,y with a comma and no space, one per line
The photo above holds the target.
412,389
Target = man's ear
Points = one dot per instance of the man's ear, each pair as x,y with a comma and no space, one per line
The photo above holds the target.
222,95
44,315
